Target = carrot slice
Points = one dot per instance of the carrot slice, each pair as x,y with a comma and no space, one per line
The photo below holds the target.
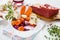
18,22
21,28
28,18
29,11
23,10
13,22
22,19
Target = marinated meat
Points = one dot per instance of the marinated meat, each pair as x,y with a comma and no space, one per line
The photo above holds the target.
45,10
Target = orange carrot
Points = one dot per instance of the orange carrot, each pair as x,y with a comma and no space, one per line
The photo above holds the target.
18,22
28,18
13,22
23,10
21,28
22,19
29,11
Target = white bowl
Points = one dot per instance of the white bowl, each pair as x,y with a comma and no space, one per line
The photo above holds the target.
25,34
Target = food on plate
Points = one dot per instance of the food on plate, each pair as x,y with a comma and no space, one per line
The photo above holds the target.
27,20
46,12
54,32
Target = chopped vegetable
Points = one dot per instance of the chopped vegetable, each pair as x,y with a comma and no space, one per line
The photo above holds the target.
17,22
29,11
28,18
16,27
22,19
33,25
23,10
24,16
13,22
21,28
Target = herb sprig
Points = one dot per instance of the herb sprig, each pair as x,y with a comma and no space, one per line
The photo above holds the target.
10,12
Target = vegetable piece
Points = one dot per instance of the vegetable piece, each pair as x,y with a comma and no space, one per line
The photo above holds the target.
23,23
28,18
16,27
18,22
24,16
13,22
29,11
27,23
22,19
23,10
33,25
21,28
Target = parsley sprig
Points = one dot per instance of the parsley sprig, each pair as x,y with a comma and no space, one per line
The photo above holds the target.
10,12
